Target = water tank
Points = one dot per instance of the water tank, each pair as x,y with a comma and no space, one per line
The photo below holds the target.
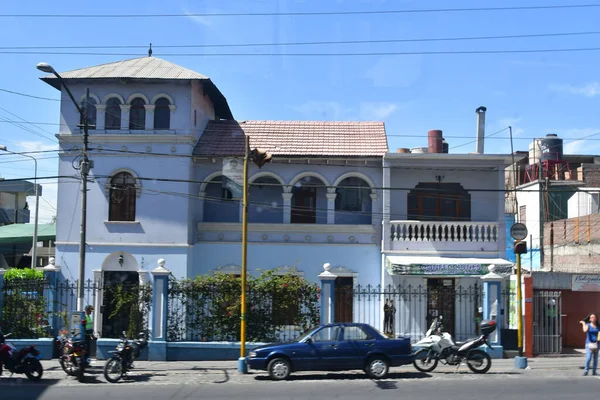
402,150
419,150
535,151
551,148
435,141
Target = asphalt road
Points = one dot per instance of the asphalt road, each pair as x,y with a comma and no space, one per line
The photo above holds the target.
477,388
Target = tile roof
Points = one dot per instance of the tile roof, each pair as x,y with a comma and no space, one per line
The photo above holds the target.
294,138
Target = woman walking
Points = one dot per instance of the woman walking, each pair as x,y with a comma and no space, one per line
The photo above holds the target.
590,328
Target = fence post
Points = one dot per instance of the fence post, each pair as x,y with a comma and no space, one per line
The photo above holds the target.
2,272
492,306
51,277
157,350
327,300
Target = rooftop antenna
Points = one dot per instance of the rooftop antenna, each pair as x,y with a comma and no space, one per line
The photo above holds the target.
150,51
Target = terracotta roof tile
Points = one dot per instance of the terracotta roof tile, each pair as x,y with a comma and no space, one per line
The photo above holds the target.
294,138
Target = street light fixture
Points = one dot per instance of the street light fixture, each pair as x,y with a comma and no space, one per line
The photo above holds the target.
37,205
85,169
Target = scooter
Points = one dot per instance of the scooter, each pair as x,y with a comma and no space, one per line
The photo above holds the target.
122,358
439,346
25,361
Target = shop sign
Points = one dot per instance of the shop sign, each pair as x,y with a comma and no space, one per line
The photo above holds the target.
585,283
439,269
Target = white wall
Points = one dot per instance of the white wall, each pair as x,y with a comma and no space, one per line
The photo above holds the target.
530,198
583,203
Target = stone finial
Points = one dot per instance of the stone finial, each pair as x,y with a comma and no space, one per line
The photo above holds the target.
327,274
161,263
51,265
326,267
160,269
492,275
492,269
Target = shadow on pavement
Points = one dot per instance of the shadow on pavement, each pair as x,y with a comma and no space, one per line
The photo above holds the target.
225,373
345,376
23,388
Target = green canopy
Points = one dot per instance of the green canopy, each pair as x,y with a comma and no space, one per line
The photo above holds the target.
23,233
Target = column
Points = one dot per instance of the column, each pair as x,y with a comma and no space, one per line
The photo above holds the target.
287,204
492,306
331,195
385,211
2,272
100,116
158,346
149,116
327,304
201,197
51,276
125,108
98,300
374,217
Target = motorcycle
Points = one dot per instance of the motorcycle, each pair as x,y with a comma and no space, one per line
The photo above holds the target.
25,361
438,346
73,359
121,361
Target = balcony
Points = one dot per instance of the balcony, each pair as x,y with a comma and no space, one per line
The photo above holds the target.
451,236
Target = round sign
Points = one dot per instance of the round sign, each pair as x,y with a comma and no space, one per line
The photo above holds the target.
518,231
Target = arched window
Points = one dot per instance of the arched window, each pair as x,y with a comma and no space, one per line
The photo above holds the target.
91,112
112,120
137,115
353,203
162,114
122,197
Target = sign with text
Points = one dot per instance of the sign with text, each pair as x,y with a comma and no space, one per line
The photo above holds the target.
439,269
233,177
585,283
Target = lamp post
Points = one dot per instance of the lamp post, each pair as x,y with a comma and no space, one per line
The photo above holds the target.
37,205
85,167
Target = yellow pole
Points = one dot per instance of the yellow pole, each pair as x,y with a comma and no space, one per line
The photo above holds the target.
244,255
519,308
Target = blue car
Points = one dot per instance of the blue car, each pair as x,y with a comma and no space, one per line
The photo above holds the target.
334,347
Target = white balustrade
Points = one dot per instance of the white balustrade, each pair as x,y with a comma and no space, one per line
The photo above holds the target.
444,231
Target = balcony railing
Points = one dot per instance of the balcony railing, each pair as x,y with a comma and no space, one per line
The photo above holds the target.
442,231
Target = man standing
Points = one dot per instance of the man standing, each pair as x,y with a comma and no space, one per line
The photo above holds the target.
88,330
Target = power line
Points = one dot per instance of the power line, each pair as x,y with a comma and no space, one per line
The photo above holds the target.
373,54
28,95
313,43
303,13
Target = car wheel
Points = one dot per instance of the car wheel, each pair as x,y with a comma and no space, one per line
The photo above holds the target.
377,367
279,369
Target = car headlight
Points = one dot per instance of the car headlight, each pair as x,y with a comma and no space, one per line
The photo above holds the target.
252,354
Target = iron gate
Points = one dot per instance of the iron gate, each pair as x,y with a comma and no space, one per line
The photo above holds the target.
547,325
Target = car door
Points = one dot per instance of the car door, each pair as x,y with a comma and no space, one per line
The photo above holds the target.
362,343
330,349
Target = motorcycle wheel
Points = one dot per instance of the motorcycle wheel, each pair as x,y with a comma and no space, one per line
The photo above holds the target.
67,366
113,370
80,370
34,370
420,362
479,361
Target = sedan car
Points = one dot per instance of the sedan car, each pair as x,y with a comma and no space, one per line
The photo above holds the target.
334,347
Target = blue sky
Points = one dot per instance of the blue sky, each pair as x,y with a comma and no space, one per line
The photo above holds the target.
536,93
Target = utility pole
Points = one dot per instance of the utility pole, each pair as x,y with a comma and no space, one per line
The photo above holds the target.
84,167
542,213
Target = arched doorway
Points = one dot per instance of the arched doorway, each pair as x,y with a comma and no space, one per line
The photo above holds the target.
120,290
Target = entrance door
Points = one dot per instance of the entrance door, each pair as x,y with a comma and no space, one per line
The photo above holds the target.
343,291
547,323
304,209
119,287
440,301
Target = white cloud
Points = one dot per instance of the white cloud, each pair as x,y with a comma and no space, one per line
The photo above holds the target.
27,146
202,21
591,89
584,145
377,111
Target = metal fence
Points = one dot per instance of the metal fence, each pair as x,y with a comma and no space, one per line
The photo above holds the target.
547,324
411,309
38,308
211,312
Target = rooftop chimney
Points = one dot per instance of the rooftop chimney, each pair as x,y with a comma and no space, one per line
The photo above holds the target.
480,128
435,141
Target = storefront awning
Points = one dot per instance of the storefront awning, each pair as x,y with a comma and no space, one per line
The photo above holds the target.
411,265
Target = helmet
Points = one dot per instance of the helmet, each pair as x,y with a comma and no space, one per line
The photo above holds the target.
89,307
552,302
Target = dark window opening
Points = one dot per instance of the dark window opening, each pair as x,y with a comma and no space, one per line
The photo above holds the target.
122,197
112,119
162,114
353,194
439,202
137,114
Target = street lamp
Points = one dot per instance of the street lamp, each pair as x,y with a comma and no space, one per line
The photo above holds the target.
37,206
85,167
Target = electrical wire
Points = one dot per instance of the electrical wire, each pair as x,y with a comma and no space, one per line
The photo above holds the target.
305,13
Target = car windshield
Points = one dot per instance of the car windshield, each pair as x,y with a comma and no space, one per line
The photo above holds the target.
306,333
